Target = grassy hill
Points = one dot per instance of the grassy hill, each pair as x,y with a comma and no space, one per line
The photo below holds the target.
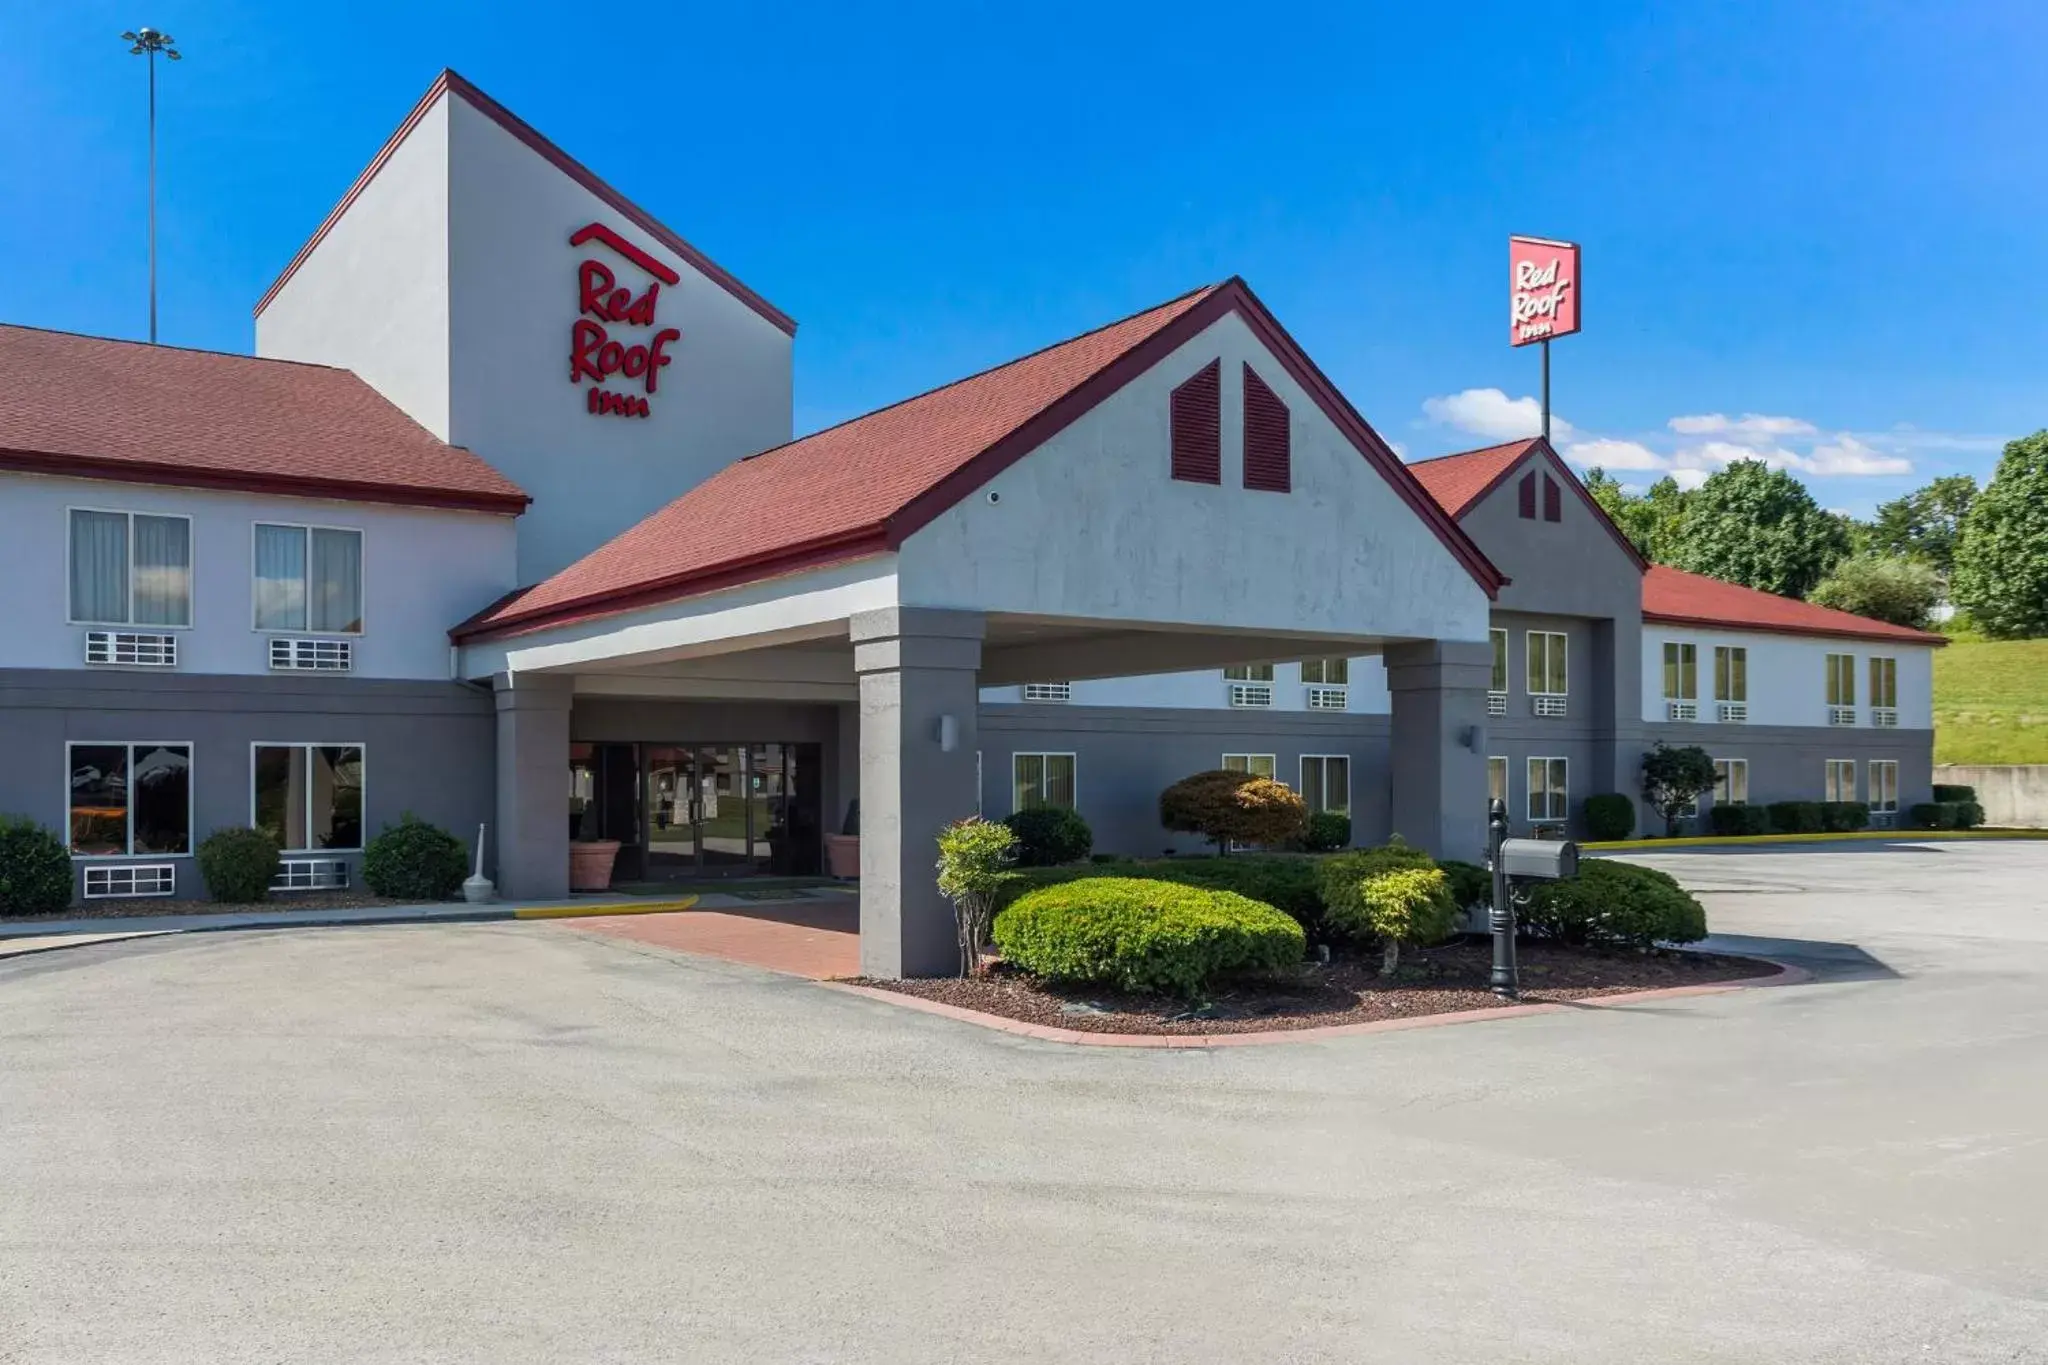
1991,702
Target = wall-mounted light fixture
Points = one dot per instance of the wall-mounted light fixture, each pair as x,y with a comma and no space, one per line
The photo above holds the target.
949,734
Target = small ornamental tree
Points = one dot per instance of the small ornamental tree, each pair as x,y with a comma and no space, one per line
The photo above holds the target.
1412,905
975,861
1675,778
1233,807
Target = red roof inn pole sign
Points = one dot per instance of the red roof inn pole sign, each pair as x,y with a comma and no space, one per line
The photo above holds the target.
603,303
1543,286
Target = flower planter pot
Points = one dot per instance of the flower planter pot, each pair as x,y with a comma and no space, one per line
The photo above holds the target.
590,864
842,855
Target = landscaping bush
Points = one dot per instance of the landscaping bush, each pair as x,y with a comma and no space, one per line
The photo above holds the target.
1471,884
1739,819
1950,791
1610,815
1140,934
1338,878
1050,835
1934,815
415,861
975,858
1841,817
1675,778
1401,905
35,869
1614,904
1233,807
1969,814
1285,881
238,864
1797,817
1328,831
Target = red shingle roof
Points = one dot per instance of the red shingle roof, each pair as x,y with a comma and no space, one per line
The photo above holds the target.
91,407
1458,481
860,488
1681,598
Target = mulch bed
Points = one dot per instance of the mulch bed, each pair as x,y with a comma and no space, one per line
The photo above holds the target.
143,906
1347,991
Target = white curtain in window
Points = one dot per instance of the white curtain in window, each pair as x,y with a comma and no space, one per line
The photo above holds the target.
163,571
337,581
99,567
280,577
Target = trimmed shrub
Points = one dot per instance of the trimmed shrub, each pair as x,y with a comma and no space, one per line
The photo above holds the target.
1969,814
1232,807
1797,817
1050,835
238,864
1406,905
1933,815
975,857
1951,791
1341,877
1614,904
1139,934
1328,831
1285,881
1610,815
415,861
35,869
1739,819
1840,817
1471,884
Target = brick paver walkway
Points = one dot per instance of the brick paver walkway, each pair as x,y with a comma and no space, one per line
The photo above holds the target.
814,938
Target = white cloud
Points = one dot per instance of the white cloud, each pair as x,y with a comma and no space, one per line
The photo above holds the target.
1399,448
1752,428
1689,479
1610,454
1494,415
1846,455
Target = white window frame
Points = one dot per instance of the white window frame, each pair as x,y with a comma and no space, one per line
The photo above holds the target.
1885,668
1890,765
1724,780
362,579
1507,779
1731,653
1322,669
1564,645
128,840
1564,794
1324,759
1272,762
1675,652
1049,692
1830,787
1016,754
1845,695
191,569
1246,673
363,748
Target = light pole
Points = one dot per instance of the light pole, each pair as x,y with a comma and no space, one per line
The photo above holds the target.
148,42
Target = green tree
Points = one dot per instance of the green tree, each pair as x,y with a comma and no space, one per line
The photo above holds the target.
2001,558
1758,526
1674,778
975,861
1883,587
1652,521
1925,524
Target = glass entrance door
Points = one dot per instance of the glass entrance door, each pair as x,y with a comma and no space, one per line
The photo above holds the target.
722,809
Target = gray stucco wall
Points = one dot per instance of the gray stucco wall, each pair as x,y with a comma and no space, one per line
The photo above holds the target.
1789,762
1125,756
428,747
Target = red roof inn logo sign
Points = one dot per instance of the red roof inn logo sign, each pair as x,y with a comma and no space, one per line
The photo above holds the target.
1543,279
603,304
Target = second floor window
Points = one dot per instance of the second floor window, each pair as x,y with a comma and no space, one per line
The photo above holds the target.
1841,680
130,569
1731,673
1500,661
1681,672
1547,675
1326,672
1884,682
309,578
1248,673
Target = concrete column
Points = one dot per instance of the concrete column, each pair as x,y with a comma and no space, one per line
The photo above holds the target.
532,833
919,673
1439,745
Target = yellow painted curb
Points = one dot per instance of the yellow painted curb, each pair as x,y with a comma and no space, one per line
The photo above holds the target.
581,911
1867,835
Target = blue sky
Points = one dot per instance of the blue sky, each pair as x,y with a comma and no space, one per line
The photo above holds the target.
1814,230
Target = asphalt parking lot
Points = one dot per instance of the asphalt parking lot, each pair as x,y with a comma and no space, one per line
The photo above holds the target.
519,1142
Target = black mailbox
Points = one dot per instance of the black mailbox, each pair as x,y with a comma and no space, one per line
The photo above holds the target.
1539,860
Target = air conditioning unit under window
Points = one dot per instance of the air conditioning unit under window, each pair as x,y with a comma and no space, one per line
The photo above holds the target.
1884,716
131,649
1058,691
1841,715
291,655
1496,703
1547,704
1251,694
1681,710
1734,712
1328,699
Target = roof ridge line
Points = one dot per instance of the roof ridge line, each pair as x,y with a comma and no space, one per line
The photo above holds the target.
172,346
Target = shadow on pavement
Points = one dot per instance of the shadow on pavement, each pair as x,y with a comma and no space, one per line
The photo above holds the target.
1827,961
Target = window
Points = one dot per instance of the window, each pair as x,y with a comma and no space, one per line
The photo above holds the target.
1525,498
128,569
1326,782
1547,675
1258,765
1841,780
1331,672
308,797
1884,786
1553,509
1197,418
1731,781
1884,683
1248,673
1681,672
130,800
1731,673
309,578
1497,780
1500,661
1268,457
1547,789
1041,780
1841,680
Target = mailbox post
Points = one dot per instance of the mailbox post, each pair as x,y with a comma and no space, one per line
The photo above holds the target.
1512,861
